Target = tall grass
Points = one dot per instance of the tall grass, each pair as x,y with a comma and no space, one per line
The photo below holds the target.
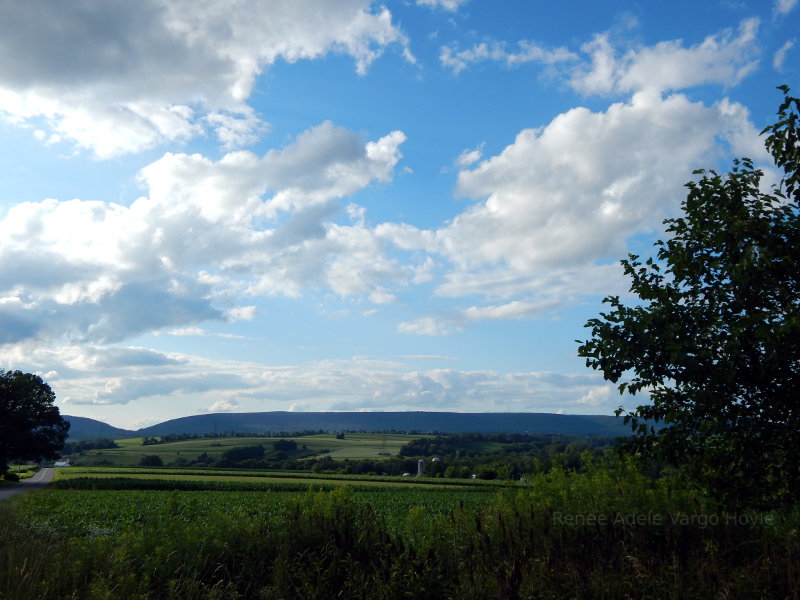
608,533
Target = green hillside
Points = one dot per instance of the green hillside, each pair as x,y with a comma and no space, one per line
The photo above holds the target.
353,446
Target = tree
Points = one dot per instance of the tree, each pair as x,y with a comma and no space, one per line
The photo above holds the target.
31,427
715,337
244,453
284,446
151,460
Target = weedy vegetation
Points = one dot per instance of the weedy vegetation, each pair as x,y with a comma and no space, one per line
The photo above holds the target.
610,531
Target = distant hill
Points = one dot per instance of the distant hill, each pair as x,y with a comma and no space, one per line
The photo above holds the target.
446,422
81,429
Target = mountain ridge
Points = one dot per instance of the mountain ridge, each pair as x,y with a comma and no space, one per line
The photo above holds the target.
83,428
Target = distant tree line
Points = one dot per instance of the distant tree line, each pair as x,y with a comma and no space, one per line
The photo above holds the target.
170,437
98,444
484,456
280,454
182,437
492,456
474,444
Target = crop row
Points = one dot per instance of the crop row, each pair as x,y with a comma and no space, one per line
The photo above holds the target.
603,534
127,472
145,482
111,512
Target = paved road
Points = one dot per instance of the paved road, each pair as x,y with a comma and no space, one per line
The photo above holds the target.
37,482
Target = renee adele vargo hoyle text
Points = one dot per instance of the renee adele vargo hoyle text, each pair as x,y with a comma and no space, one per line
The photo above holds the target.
657,519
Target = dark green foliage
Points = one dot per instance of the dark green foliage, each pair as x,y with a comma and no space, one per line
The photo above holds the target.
182,437
284,445
203,459
151,460
474,444
243,453
486,472
783,143
31,427
506,455
84,446
715,338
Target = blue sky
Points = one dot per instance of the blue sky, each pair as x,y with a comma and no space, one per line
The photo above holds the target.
309,205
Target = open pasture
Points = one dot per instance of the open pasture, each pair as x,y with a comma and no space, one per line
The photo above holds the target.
354,445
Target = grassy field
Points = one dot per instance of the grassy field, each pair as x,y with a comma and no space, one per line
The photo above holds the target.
21,471
354,445
265,479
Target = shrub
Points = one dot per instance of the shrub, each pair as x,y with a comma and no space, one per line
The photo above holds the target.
243,453
151,460
486,472
284,445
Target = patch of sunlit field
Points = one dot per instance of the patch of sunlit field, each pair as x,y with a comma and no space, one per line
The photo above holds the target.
356,446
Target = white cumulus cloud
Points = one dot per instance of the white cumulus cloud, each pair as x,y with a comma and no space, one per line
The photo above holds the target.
556,208
120,77
224,405
726,58
206,234
597,396
573,191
